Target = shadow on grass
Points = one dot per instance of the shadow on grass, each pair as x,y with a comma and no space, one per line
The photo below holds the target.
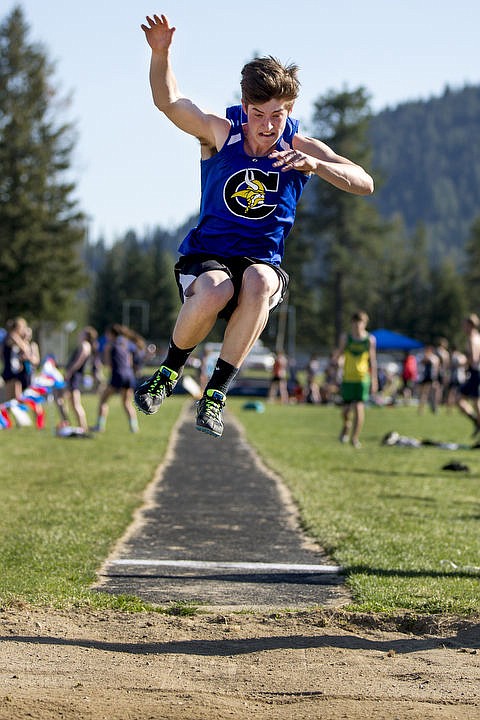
412,573
388,473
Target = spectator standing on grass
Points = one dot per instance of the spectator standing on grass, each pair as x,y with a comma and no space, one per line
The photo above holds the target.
312,388
428,384
295,388
17,358
74,376
118,356
279,380
409,375
254,166
32,361
458,364
469,393
443,370
359,380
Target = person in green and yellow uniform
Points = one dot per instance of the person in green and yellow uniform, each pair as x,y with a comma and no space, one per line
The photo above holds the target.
359,380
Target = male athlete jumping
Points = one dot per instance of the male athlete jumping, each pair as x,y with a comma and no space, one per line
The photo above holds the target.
254,166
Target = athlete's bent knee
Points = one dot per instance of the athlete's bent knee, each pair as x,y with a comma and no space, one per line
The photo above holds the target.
214,292
259,281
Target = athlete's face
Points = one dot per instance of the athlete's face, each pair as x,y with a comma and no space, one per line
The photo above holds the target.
359,327
266,121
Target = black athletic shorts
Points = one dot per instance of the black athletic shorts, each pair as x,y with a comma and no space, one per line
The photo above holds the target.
471,387
191,266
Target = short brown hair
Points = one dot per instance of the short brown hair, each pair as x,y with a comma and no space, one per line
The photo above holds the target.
360,316
265,78
90,334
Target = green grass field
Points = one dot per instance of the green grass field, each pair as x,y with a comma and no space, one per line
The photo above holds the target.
405,530
66,501
391,516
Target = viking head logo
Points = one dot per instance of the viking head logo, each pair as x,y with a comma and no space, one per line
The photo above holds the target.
246,194
254,193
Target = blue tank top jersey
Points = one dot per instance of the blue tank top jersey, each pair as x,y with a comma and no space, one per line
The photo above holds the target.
248,206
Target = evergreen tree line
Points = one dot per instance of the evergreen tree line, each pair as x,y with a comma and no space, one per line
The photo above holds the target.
41,227
134,283
393,277
345,252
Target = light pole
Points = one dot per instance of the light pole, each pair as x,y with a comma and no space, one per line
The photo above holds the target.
144,308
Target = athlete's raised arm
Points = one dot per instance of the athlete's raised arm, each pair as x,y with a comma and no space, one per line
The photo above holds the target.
209,128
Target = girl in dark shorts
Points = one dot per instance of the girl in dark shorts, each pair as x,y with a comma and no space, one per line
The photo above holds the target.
16,354
469,392
74,376
118,354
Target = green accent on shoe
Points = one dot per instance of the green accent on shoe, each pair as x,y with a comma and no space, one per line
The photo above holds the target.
209,413
150,394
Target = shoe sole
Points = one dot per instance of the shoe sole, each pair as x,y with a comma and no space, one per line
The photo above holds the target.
207,431
146,412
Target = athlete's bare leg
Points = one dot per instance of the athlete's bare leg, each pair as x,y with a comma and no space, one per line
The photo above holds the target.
250,317
347,423
204,299
358,421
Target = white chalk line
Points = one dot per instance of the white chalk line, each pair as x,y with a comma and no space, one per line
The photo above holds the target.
212,565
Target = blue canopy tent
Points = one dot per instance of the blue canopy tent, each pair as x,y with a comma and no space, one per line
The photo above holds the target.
389,340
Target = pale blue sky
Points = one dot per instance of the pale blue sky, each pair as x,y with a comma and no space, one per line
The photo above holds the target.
135,171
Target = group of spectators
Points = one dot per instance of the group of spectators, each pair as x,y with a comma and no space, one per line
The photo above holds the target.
433,376
448,375
21,357
113,361
439,374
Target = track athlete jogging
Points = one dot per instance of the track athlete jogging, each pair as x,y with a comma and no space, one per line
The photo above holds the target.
254,166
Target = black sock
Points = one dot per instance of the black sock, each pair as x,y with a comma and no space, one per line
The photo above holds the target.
176,357
222,377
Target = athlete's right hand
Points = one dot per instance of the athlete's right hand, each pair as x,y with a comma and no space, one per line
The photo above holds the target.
158,32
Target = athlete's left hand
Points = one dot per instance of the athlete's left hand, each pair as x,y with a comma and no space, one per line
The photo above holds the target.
293,160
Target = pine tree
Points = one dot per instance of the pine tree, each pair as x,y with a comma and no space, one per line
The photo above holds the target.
417,288
392,271
163,296
106,306
472,266
302,298
347,227
118,285
41,228
448,302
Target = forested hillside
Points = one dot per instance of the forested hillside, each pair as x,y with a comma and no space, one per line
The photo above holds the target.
426,155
